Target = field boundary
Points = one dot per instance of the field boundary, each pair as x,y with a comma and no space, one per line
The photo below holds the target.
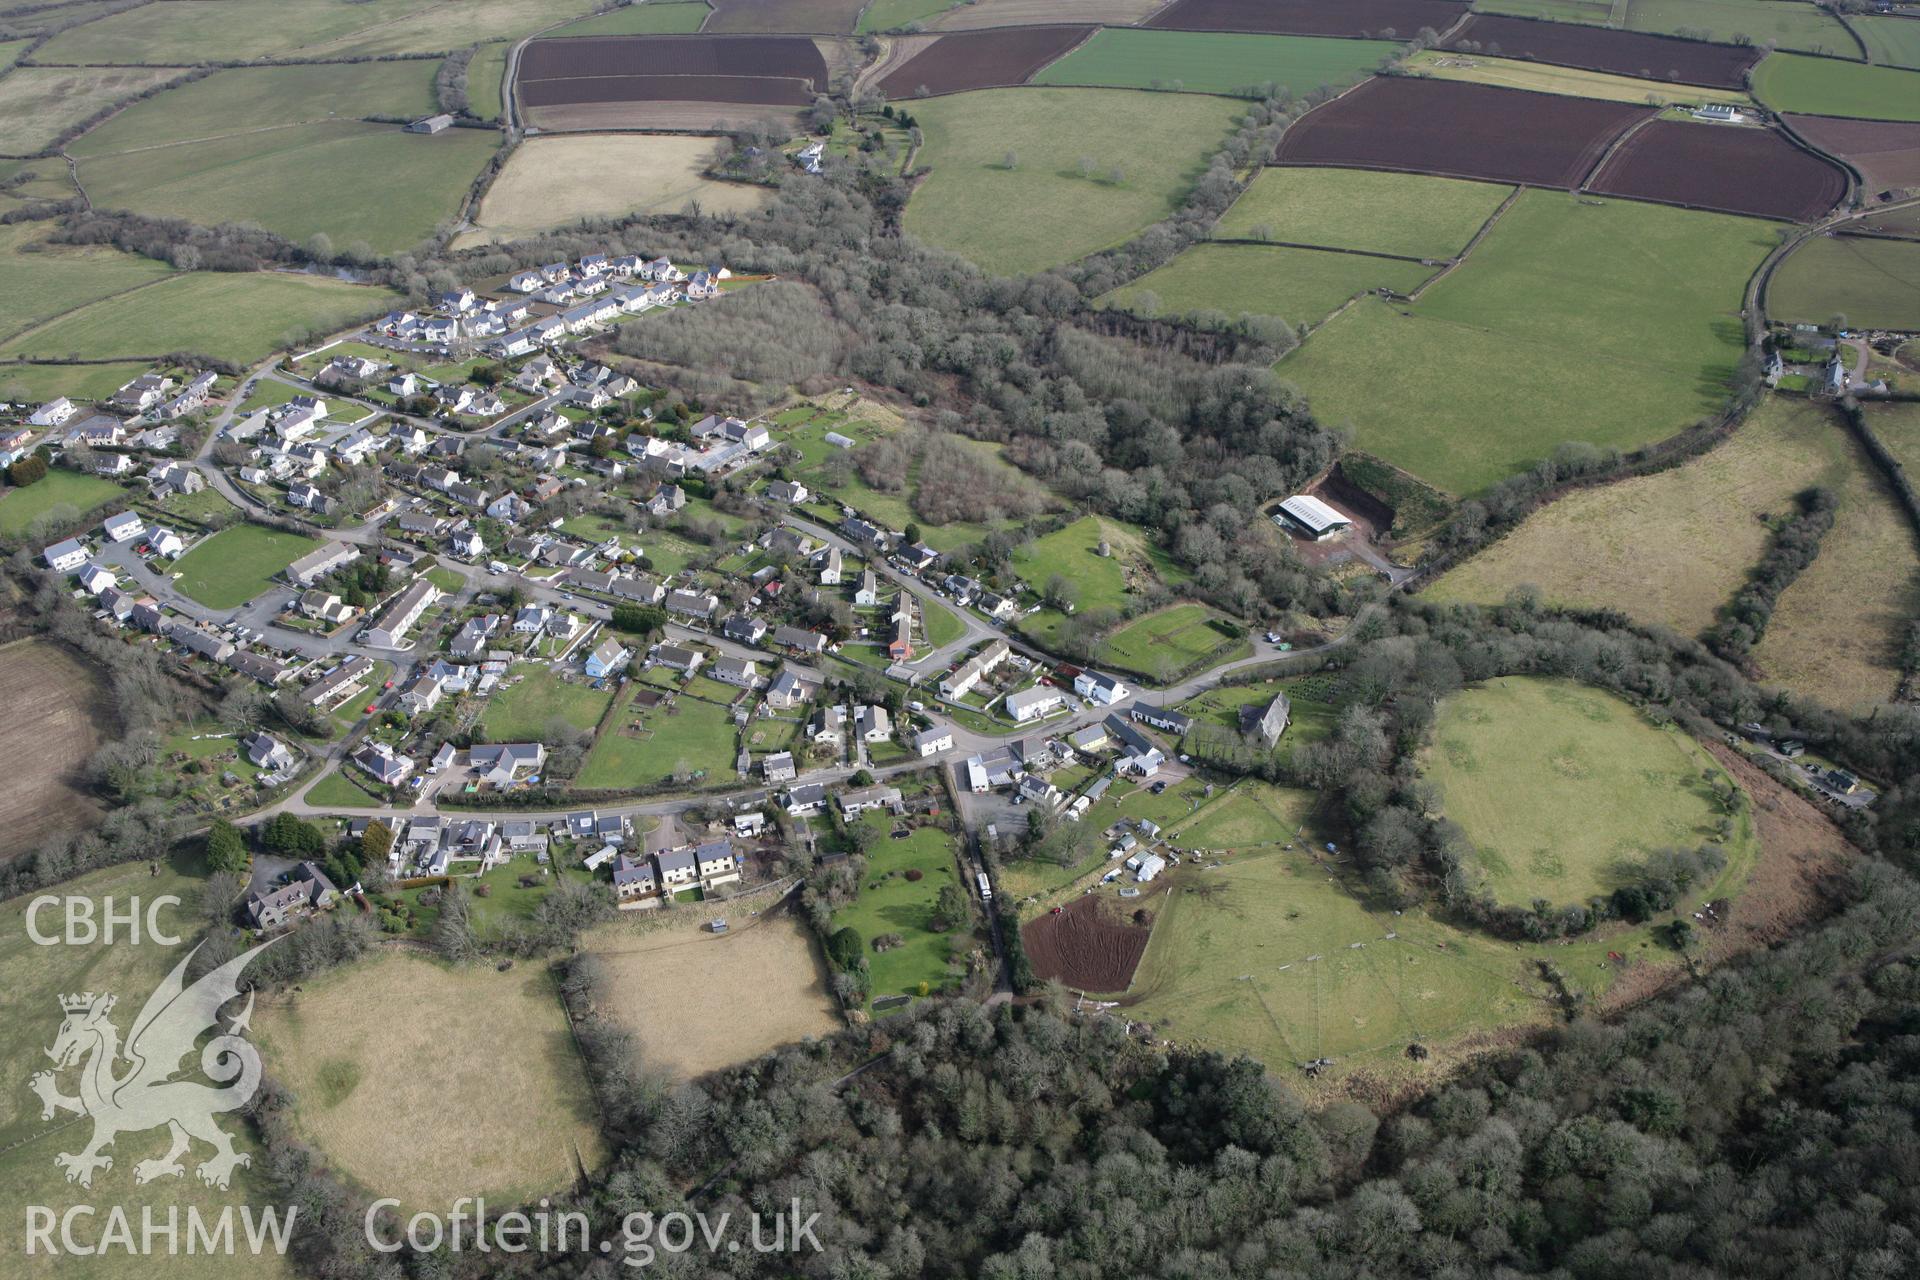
1320,248
1486,228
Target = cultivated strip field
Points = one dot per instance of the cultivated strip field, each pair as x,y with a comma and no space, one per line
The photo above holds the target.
1730,170
1668,549
1459,130
1625,53
748,70
1886,154
1208,62
1411,215
987,59
1389,18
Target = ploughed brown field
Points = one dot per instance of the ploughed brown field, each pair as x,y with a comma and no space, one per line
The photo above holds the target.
781,57
1886,154
1087,945
53,713
1460,130
1310,17
1625,53
990,59
754,90
1732,170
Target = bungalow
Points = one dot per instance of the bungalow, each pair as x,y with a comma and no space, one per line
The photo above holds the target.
1164,718
315,565
783,491
855,803
258,666
788,691
863,534
1031,704
778,767
786,637
383,764
500,764
678,658
200,641
806,801
744,628
533,619
123,527
608,658
828,725
931,742
65,557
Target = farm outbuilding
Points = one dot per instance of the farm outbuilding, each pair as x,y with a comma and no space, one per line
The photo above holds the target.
1312,517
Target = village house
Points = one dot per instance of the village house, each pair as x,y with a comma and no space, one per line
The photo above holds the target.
961,680
383,764
390,628
268,752
931,742
1101,690
317,564
678,658
778,767
873,724
123,527
855,803
501,764
339,684
608,658
307,890
1031,704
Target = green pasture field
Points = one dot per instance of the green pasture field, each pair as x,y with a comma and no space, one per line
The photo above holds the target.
1172,639
342,788
521,713
35,978
238,563
249,99
1160,145
1314,706
891,903
41,280
1253,815
508,900
1576,82
1099,582
1789,26
184,32
367,186
21,507
238,316
1826,87
486,77
812,16
1407,214
650,18
692,732
38,104
1837,631
1898,427
1874,283
889,15
1300,286
1563,788
1667,549
1593,12
1610,322
1237,64
10,51
78,381
1892,42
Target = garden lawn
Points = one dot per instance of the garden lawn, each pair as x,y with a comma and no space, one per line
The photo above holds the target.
237,564
1562,788
52,278
1159,144
1874,283
509,901
1667,549
303,180
1408,214
21,507
1828,87
693,734
891,903
1238,64
1614,323
942,625
1577,82
1167,640
1300,286
521,713
248,99
240,317
341,789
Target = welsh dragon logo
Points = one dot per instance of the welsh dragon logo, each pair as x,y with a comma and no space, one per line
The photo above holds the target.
131,1088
